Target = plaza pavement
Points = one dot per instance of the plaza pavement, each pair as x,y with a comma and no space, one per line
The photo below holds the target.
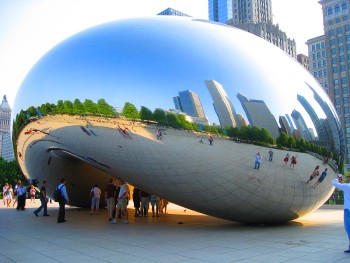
317,237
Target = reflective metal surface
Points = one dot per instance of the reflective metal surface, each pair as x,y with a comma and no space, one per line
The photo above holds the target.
233,76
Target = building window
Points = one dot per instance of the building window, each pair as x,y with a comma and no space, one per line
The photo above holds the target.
342,59
330,11
335,70
337,20
344,6
347,131
333,51
319,64
323,53
340,40
330,23
346,110
337,102
338,111
347,119
341,49
343,80
325,74
322,44
326,84
337,8
318,46
339,30
345,100
345,18
314,65
313,47
345,90
320,73
324,63
336,82
315,74
331,32
314,56
332,42
336,91
348,141
334,60
342,69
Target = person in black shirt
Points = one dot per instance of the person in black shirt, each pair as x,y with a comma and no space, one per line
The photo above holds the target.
43,200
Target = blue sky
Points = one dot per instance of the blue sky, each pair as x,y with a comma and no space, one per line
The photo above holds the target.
30,28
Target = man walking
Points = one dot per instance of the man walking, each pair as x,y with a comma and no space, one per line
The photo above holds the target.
345,187
63,199
43,200
258,159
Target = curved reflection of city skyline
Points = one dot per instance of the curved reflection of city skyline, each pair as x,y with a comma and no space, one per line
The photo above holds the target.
211,72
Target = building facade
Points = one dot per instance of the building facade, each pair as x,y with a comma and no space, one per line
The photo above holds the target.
251,11
318,60
220,10
336,26
172,12
6,147
303,60
189,103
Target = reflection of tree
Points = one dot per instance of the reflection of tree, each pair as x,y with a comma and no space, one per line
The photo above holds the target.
130,111
146,114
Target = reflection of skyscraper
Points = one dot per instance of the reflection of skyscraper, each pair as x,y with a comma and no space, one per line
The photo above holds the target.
220,10
241,121
6,148
259,115
301,125
285,125
172,12
222,104
292,128
320,129
189,102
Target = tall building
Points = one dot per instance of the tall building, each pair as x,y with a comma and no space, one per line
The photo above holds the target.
222,104
172,12
220,10
302,128
285,127
336,26
254,11
189,102
318,60
255,17
292,128
303,60
6,148
259,115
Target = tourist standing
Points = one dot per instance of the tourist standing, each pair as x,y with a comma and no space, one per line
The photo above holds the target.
345,187
62,201
95,200
110,193
22,194
258,159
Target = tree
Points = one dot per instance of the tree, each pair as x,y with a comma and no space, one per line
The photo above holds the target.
67,107
184,123
146,114
159,116
60,107
264,136
173,120
282,140
104,108
291,142
78,107
90,107
130,111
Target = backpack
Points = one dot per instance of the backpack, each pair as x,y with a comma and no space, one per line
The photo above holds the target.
57,195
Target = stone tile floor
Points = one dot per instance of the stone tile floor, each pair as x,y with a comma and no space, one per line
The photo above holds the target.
317,237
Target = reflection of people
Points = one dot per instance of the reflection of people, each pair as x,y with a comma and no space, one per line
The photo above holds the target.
293,162
345,187
314,174
322,177
286,159
270,155
211,139
258,159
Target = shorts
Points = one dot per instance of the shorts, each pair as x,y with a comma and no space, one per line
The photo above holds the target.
110,203
122,203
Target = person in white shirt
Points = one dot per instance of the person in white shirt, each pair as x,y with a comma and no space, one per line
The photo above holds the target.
345,187
123,199
95,199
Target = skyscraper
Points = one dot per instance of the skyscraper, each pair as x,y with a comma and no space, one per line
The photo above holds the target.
255,16
302,128
172,12
259,115
336,37
285,125
220,10
189,102
222,104
6,148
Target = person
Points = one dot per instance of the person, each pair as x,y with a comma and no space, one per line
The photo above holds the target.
154,204
95,200
62,202
258,159
4,192
32,193
144,203
286,159
345,187
43,200
293,162
122,203
22,193
164,206
110,193
314,174
15,200
322,177
270,155
9,195
137,200
211,139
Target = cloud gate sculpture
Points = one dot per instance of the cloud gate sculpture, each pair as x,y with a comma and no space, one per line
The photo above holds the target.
179,69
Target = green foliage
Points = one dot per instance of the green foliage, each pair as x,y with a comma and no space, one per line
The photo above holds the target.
78,107
10,172
104,108
173,120
130,111
159,116
90,107
146,114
